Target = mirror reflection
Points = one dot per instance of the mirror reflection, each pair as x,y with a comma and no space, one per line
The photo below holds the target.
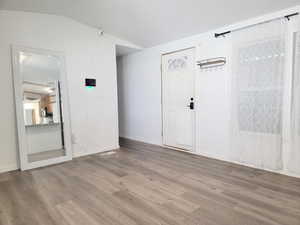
40,103
42,106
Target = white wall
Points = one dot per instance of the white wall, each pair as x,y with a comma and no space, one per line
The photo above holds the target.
140,85
139,97
140,78
94,116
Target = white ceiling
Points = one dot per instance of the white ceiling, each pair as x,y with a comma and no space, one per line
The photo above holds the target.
152,22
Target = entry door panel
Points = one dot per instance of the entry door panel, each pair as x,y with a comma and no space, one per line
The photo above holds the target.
178,70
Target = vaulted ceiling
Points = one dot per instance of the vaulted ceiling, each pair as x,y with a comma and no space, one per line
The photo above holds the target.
152,22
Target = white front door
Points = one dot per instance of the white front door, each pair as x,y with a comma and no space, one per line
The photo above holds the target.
178,75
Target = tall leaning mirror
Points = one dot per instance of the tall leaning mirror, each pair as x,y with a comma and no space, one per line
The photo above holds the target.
41,107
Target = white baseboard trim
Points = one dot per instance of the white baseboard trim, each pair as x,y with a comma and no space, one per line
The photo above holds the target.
9,167
282,172
81,154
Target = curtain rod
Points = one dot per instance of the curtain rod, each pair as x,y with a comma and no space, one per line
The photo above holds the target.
230,31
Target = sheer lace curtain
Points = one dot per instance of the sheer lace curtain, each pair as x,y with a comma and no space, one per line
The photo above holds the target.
294,159
257,94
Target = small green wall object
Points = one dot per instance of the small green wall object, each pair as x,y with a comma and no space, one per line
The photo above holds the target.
90,83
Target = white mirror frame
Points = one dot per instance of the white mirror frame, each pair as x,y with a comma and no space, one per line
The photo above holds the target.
17,76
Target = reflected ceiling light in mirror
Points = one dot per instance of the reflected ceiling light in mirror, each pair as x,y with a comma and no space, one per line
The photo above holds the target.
22,57
48,89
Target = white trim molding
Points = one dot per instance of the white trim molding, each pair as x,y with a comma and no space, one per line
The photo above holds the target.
9,167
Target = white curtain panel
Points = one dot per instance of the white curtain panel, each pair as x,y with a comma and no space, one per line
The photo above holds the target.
294,160
258,62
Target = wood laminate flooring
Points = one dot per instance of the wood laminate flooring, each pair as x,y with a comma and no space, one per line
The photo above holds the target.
142,184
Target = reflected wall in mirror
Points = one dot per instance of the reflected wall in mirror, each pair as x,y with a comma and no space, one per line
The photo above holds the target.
41,123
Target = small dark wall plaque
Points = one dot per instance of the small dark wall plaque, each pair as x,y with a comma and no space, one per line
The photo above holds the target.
90,82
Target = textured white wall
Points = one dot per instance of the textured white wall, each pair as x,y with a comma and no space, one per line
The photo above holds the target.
94,115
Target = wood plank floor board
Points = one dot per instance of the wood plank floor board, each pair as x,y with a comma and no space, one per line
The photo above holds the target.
277,211
145,208
143,184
